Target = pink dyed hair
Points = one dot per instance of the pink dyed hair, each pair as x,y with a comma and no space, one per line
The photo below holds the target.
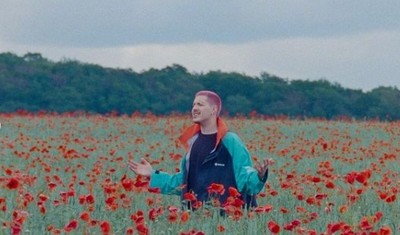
213,98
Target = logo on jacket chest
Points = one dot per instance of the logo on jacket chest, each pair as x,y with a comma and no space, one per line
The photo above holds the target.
219,164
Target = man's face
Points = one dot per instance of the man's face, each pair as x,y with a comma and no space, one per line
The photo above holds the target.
202,110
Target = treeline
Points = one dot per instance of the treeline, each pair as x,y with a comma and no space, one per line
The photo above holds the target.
34,83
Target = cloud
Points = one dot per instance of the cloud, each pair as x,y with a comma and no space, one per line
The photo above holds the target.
365,60
356,44
94,23
360,61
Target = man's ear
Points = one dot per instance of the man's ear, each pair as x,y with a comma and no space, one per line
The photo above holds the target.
215,108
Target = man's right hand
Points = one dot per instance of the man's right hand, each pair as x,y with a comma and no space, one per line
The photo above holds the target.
142,168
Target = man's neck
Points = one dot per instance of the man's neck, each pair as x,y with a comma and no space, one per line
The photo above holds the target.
209,127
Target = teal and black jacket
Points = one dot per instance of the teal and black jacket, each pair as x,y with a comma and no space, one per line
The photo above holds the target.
229,164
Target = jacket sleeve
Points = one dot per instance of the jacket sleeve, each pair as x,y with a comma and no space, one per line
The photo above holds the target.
246,175
167,183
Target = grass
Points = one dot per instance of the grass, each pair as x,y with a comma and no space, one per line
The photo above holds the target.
87,155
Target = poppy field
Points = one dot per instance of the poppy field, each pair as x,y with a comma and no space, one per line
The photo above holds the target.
67,174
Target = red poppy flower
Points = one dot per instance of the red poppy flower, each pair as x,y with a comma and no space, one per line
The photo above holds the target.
234,213
262,194
192,232
173,217
141,183
284,210
321,196
296,222
15,229
110,200
28,197
110,188
300,209
285,185
72,225
90,199
263,209
105,227
64,196
385,230
85,216
175,156
197,205
274,193
310,200
8,171
220,228
154,190
360,191
173,209
155,212
343,209
315,179
361,177
42,209
129,231
12,184
138,217
3,205
313,215
43,197
273,227
230,201
288,227
52,186
330,185
300,197
127,183
353,197
82,199
332,228
216,189
292,225
365,224
142,229
189,196
391,198
378,215
350,177
185,216
233,192
383,195
93,222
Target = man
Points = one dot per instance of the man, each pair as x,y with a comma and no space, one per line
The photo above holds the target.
214,155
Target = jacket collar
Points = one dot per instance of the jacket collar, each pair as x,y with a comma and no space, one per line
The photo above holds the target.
195,128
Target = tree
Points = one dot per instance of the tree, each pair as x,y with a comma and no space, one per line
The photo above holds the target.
238,104
34,83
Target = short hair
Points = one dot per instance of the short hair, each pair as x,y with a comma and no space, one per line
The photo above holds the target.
213,98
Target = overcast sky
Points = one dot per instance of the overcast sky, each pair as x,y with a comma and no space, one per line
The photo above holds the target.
351,42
